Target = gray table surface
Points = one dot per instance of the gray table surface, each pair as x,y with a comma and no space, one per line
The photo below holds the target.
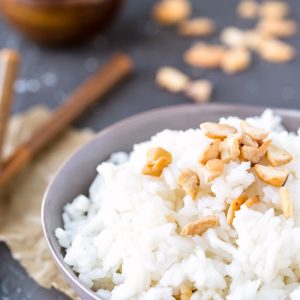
48,75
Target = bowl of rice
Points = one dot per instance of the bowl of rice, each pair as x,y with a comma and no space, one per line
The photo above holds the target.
186,202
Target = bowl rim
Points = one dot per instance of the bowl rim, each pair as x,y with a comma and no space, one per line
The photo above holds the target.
60,3
228,108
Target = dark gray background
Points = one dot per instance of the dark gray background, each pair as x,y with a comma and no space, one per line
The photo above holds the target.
150,47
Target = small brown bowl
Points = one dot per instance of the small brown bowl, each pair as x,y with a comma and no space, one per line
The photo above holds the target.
56,22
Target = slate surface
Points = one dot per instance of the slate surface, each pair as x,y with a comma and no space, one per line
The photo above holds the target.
48,75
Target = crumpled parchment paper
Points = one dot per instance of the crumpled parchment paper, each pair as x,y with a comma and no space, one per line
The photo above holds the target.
20,203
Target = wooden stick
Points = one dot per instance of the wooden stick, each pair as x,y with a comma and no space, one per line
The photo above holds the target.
9,67
88,93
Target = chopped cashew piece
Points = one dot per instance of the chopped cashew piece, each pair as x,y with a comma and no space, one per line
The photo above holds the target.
216,130
233,37
157,160
199,227
235,205
286,202
199,90
251,201
171,12
230,148
273,9
171,79
170,218
253,39
197,27
247,9
277,27
255,154
278,156
214,168
190,183
203,55
271,175
276,51
211,151
185,292
236,60
258,134
247,140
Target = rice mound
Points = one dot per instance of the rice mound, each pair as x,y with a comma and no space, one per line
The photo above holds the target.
123,243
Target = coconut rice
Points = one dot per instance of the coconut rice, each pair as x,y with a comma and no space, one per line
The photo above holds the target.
177,219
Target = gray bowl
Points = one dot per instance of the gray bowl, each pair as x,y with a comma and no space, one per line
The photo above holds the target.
78,172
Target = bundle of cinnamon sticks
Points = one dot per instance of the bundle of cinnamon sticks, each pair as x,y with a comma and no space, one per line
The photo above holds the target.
88,93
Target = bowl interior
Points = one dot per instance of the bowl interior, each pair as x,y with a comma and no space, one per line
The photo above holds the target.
79,171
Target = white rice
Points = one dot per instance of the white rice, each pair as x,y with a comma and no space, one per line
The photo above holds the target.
120,242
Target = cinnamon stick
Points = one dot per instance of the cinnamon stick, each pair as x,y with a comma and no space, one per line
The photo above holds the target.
92,90
9,66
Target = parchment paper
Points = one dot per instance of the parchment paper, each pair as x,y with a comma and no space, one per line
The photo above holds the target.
20,221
